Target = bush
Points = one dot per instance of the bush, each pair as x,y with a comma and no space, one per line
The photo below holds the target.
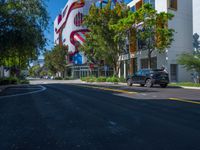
10,80
58,78
89,79
92,79
112,79
24,82
122,80
101,79
68,78
83,78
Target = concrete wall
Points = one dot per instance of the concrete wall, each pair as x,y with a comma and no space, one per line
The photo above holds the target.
196,16
183,26
161,5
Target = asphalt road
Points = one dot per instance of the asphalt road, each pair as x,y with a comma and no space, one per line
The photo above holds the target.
70,117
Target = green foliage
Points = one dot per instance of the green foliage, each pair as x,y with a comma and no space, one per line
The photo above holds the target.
35,71
189,84
23,81
68,78
102,43
22,25
112,79
10,80
196,42
122,80
151,28
55,60
190,61
101,79
58,78
89,79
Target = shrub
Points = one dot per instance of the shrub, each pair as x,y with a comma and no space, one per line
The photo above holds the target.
92,79
101,79
68,78
83,78
122,80
10,80
58,78
24,82
112,79
89,79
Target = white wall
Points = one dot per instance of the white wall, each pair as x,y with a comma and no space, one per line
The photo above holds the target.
161,5
196,16
182,23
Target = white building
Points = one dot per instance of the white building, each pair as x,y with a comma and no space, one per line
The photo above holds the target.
68,28
196,16
182,23
69,31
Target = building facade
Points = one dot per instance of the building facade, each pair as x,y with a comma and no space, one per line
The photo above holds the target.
196,16
182,23
69,31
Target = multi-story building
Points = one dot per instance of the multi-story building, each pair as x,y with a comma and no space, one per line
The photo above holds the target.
182,23
69,31
196,16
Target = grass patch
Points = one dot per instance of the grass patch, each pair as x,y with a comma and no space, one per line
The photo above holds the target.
188,84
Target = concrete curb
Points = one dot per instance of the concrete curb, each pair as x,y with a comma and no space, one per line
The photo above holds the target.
191,88
2,88
124,84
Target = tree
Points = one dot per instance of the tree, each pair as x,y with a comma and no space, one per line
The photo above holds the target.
150,27
101,43
34,71
196,43
22,25
190,62
55,60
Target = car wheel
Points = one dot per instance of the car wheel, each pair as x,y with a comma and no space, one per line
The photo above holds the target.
141,85
149,83
129,82
163,85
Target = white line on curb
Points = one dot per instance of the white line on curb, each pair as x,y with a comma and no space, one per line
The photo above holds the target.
38,91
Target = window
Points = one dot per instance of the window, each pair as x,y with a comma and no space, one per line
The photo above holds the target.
144,63
172,4
133,9
174,72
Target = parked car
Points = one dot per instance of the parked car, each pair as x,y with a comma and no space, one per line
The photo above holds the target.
149,77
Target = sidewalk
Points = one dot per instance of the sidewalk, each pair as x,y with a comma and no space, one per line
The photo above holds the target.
125,84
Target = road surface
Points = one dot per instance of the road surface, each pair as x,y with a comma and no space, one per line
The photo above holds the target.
58,116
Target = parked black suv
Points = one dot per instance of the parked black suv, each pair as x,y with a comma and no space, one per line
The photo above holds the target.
149,77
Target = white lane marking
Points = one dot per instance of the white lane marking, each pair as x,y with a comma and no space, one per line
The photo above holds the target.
22,94
24,88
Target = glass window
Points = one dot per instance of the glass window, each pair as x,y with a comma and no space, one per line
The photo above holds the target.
133,9
172,4
144,63
139,73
